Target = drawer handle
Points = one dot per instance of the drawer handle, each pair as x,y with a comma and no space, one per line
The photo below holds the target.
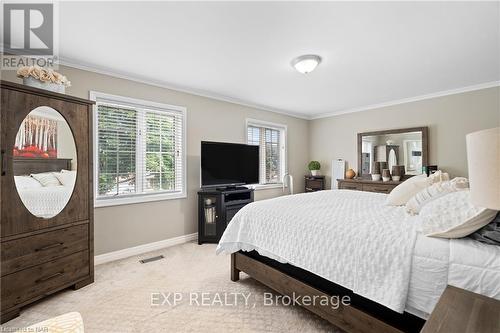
4,163
49,247
49,277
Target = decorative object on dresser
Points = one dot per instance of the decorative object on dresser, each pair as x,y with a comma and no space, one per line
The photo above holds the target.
314,183
459,310
367,185
216,208
314,167
46,195
386,175
405,146
350,174
44,78
429,169
398,172
376,172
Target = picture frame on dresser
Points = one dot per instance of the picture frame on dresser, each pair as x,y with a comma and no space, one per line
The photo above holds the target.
43,255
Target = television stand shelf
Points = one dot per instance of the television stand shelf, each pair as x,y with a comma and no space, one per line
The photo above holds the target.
216,208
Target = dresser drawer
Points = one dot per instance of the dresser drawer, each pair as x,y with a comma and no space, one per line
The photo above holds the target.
42,279
351,186
314,185
33,250
378,188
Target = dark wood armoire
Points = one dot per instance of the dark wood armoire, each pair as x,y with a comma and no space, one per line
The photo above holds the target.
43,252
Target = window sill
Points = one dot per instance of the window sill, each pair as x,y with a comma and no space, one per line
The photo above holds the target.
259,187
137,200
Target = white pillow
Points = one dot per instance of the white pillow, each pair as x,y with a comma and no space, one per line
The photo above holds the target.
454,216
26,182
400,195
439,176
436,190
46,179
65,177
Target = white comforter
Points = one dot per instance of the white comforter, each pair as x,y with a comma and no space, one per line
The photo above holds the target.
46,202
348,237
463,263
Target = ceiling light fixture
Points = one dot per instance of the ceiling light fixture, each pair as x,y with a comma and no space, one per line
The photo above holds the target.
306,63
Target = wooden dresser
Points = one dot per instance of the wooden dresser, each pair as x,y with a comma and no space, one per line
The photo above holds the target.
367,185
41,255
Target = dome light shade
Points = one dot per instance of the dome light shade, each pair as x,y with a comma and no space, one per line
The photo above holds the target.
306,63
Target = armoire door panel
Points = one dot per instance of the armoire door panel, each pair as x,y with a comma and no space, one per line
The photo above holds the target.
16,218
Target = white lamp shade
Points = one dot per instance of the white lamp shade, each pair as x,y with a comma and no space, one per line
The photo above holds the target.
483,157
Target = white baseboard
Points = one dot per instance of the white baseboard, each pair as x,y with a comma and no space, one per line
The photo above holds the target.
136,250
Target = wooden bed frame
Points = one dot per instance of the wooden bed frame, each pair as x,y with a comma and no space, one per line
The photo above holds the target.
28,165
349,318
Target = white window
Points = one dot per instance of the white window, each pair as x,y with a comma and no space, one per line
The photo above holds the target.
139,150
271,138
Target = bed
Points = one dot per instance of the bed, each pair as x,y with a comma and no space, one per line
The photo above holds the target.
345,242
44,202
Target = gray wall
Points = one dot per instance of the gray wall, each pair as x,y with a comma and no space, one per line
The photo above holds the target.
449,119
125,226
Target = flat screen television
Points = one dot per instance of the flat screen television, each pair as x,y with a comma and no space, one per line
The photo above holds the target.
228,164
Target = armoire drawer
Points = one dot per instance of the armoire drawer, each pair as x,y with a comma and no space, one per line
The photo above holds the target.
29,251
43,279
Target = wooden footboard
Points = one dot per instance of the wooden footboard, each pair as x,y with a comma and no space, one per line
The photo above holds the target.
347,317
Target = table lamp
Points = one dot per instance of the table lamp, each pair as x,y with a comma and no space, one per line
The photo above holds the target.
483,159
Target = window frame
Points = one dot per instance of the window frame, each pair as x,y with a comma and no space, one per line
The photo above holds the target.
282,128
153,106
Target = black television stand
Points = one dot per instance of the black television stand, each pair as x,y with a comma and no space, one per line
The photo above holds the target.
231,188
216,208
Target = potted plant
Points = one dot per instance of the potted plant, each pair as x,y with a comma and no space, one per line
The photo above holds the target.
314,167
45,78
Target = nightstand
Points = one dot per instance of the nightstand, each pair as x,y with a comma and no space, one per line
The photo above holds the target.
459,310
314,183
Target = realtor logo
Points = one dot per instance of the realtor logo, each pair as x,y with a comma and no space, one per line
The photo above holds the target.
28,29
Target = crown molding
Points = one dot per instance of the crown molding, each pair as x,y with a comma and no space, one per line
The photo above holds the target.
409,100
207,94
162,84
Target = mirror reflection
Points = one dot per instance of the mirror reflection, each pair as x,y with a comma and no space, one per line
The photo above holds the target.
393,149
44,162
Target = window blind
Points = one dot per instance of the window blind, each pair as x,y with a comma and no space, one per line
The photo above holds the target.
139,150
270,140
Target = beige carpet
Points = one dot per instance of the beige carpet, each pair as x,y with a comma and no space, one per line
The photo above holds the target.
120,299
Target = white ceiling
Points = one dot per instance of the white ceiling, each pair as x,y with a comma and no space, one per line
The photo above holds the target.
372,52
